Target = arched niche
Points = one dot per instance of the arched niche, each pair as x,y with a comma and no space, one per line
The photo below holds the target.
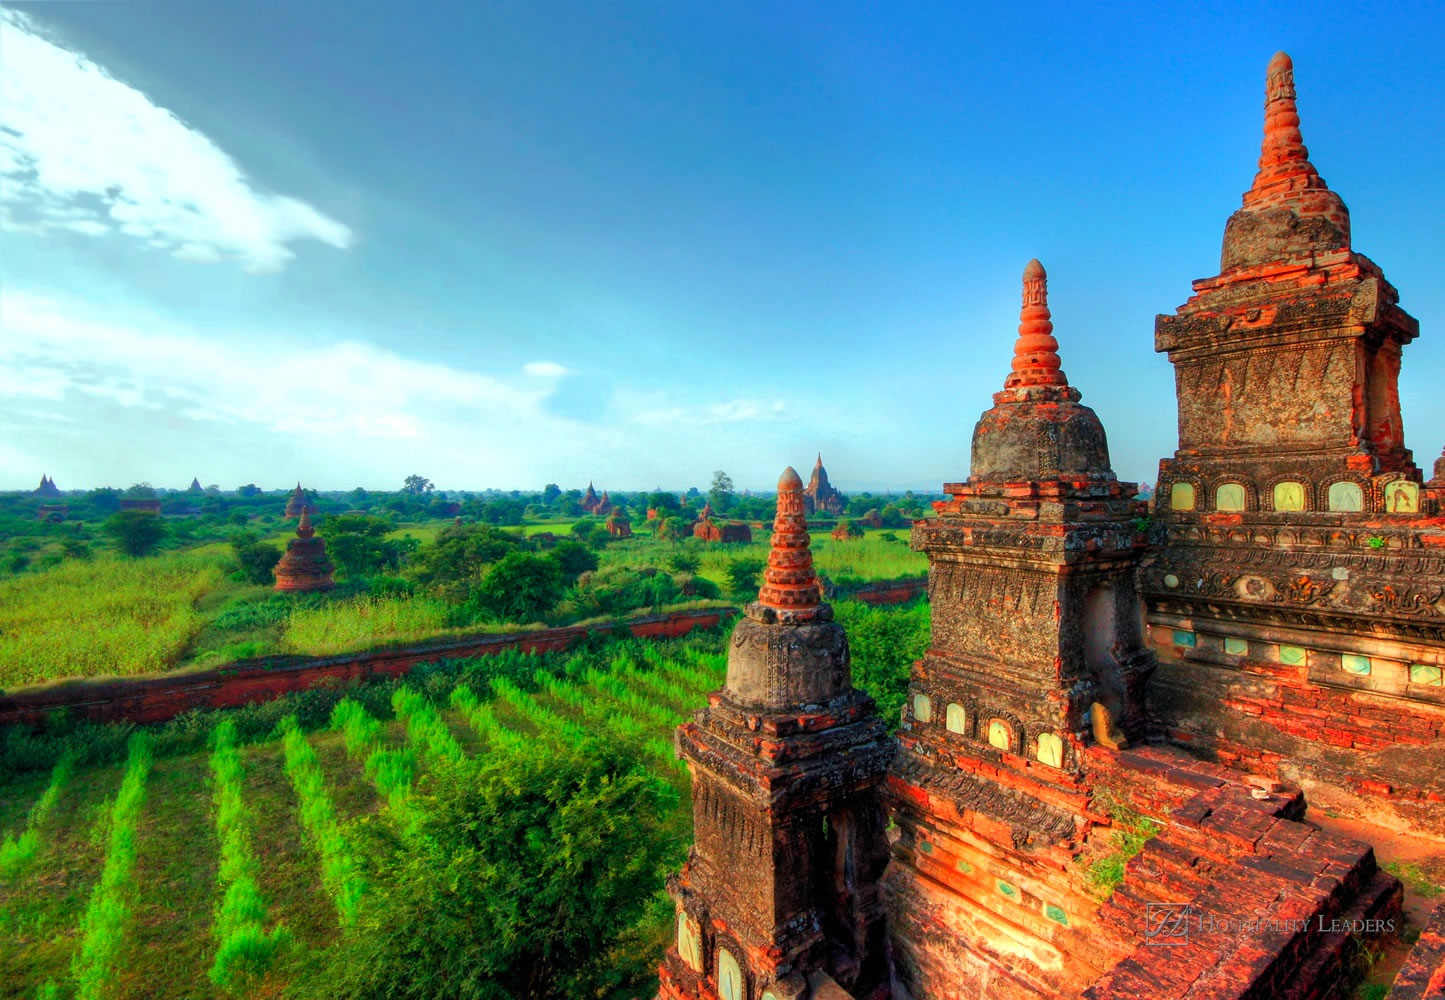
729,976
1402,497
922,708
1050,750
1000,734
1289,495
957,718
1229,497
689,941
1346,496
1181,496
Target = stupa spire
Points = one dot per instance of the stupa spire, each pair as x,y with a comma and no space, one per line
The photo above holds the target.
1286,180
303,527
789,583
1036,352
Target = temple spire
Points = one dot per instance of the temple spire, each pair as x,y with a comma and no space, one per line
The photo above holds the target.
1286,180
789,583
1036,358
303,528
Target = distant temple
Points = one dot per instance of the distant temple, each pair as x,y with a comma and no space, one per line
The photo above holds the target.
195,486
297,502
617,524
590,500
711,531
304,565
820,497
152,505
47,488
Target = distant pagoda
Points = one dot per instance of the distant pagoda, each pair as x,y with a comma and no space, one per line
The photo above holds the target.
47,488
820,496
195,486
304,566
297,502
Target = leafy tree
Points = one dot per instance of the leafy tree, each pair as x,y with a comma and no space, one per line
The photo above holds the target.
136,532
358,546
684,561
663,501
104,499
455,562
358,496
527,876
74,548
417,485
850,529
550,493
720,495
249,490
521,587
743,576
140,491
574,558
256,558
672,529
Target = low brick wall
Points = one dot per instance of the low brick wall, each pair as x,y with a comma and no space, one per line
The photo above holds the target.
890,592
158,698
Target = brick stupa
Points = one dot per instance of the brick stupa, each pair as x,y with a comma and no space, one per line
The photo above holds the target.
297,502
779,896
304,566
47,488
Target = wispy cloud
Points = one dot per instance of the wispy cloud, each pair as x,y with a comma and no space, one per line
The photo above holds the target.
83,152
727,412
546,369
343,389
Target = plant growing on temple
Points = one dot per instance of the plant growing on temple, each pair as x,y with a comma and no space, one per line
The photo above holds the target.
530,865
103,926
136,532
244,948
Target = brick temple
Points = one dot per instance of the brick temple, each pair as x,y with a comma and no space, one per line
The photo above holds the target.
1272,638
820,496
304,566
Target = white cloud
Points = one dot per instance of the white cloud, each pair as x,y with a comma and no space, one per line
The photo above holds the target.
84,152
345,389
547,369
728,412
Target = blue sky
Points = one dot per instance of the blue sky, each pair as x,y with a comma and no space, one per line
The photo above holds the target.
509,244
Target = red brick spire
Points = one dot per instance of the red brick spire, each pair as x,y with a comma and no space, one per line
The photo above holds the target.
304,528
1036,352
1286,176
789,583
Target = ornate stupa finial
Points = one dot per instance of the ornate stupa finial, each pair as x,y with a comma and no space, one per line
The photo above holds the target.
1289,211
789,583
1036,352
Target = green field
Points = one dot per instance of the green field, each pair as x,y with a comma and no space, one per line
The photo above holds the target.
111,615
150,865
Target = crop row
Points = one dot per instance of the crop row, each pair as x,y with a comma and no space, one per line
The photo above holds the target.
17,852
339,870
103,926
243,946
